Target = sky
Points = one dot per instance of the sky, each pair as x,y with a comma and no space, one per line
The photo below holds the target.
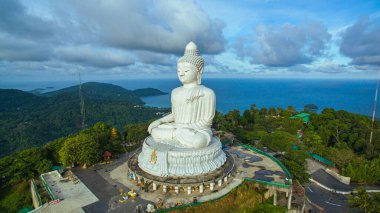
127,39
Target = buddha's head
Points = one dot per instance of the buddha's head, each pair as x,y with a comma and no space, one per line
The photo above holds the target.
190,66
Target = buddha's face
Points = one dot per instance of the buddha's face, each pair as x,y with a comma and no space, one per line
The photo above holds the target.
187,73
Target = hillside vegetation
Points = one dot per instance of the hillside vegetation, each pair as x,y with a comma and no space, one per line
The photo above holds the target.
28,120
339,136
247,198
83,148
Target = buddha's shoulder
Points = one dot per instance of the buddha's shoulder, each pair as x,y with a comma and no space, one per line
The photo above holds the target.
207,91
199,89
176,90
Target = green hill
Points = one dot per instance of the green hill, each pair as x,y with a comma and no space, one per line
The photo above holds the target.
148,92
12,99
28,120
99,91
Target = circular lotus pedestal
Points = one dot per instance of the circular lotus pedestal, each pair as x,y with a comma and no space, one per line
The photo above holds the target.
164,160
168,167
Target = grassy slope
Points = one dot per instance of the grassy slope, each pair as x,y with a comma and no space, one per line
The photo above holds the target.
242,199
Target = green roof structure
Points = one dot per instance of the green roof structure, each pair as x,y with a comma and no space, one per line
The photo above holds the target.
305,117
25,210
320,159
295,147
57,168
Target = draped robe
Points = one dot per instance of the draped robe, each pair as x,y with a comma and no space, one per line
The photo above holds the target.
189,124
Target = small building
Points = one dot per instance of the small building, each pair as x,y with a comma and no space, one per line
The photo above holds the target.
107,155
60,169
304,116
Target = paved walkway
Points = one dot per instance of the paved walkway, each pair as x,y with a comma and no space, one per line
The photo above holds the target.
98,180
99,187
106,180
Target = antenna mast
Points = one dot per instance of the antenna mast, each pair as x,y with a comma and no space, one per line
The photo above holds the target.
374,110
82,112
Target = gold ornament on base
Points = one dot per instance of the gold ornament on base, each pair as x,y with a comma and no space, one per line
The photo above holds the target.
153,157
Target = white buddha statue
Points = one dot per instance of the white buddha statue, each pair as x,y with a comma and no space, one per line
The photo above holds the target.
181,143
193,107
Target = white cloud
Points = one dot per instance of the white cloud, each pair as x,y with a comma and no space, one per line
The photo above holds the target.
21,49
105,33
286,46
148,57
94,56
160,26
361,42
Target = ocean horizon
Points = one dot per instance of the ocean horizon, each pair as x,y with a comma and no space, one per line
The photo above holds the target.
356,96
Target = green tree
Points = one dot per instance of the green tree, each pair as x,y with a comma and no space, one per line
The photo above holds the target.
340,156
263,111
363,171
53,148
24,165
218,121
248,119
272,111
233,118
297,170
363,201
136,133
81,149
279,140
101,133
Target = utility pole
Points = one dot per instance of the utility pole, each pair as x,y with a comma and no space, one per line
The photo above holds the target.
82,112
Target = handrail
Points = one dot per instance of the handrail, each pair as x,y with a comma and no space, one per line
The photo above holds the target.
268,183
47,188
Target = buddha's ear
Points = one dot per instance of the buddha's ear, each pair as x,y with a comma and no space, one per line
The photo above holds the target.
199,76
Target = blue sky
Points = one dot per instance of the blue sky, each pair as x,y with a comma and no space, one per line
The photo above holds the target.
126,39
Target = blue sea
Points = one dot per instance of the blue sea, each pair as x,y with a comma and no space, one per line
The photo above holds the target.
355,96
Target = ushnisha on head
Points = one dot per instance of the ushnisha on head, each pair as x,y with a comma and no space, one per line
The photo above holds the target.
190,66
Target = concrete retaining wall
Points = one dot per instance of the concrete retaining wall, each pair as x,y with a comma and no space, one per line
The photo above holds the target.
341,178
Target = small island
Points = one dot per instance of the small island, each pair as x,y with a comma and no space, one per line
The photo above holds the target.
311,108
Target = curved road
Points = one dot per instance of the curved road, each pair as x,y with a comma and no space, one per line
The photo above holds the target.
326,179
330,201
